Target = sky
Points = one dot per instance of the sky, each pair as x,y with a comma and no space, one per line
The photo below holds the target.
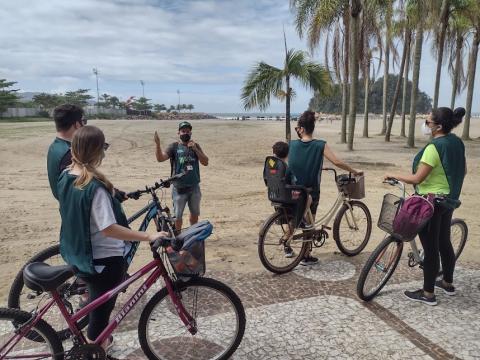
202,48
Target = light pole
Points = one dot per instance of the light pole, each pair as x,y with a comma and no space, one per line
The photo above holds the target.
143,87
178,92
95,71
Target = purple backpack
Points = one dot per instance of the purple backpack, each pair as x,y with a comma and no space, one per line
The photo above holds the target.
412,216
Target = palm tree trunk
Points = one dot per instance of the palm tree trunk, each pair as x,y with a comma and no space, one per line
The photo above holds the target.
356,8
441,46
388,19
288,135
456,71
472,64
416,74
397,88
367,93
346,51
405,86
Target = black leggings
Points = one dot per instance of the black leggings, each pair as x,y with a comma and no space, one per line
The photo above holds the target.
435,238
112,275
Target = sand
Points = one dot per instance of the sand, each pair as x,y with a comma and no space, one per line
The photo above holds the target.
234,195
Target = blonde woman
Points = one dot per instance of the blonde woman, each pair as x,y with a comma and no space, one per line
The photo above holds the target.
94,226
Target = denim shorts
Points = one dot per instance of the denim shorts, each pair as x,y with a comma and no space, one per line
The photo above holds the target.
180,200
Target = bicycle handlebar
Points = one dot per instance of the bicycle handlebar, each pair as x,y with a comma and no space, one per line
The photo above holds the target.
166,241
162,184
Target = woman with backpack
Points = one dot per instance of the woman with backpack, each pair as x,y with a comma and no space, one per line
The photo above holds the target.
94,232
438,169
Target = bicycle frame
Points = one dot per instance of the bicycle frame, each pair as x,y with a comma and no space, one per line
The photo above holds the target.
156,268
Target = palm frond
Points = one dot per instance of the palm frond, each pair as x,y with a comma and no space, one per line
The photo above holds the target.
262,82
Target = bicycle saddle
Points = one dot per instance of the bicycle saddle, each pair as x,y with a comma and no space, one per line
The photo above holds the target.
39,276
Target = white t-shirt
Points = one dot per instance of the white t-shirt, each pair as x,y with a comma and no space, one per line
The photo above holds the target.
101,217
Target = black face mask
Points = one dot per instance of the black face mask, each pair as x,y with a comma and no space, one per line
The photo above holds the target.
298,134
185,137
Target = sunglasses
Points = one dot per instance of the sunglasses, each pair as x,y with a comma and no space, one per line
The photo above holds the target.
429,122
105,146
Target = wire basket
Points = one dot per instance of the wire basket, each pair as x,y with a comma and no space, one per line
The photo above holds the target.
353,187
188,262
390,206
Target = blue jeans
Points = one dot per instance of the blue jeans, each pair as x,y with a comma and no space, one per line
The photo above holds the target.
192,197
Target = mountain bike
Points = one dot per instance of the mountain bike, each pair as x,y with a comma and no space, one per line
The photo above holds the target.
383,261
23,298
197,318
352,226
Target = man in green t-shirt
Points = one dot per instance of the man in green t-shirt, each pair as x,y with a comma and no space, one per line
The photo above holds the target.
305,160
185,155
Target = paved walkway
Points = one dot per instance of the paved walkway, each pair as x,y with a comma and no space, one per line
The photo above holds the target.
313,313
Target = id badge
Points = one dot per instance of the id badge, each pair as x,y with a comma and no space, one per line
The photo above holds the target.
189,167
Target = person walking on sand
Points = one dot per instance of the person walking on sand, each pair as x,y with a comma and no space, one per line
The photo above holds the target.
305,160
185,155
439,169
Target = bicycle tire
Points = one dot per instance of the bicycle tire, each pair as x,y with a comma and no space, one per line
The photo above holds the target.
41,333
458,249
278,218
336,228
373,261
18,287
212,311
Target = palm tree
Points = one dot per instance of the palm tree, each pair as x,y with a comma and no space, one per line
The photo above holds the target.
355,10
388,46
406,50
455,41
315,17
473,15
417,12
265,81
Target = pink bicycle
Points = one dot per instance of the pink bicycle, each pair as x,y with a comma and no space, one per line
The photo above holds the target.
192,317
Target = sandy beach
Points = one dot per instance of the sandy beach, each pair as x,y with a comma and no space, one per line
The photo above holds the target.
234,195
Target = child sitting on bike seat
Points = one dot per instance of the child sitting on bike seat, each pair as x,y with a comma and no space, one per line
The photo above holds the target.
280,150
94,227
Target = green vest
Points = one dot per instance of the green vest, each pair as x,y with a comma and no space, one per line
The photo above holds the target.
451,150
75,209
57,150
305,161
185,159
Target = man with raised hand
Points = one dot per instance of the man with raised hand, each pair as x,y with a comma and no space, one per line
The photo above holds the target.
185,155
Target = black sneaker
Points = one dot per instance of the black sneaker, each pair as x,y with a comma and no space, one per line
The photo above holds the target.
308,260
449,289
420,297
288,252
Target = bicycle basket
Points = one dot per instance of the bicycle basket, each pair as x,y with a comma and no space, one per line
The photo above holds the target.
188,262
353,187
390,205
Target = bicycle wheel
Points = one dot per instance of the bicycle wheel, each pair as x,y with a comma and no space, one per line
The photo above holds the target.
352,228
379,268
21,297
43,342
219,316
272,247
458,236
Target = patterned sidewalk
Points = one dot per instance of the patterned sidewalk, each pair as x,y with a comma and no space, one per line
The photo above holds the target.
313,313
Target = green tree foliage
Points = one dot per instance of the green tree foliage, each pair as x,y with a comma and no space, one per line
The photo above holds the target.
48,101
142,104
8,97
333,103
78,97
